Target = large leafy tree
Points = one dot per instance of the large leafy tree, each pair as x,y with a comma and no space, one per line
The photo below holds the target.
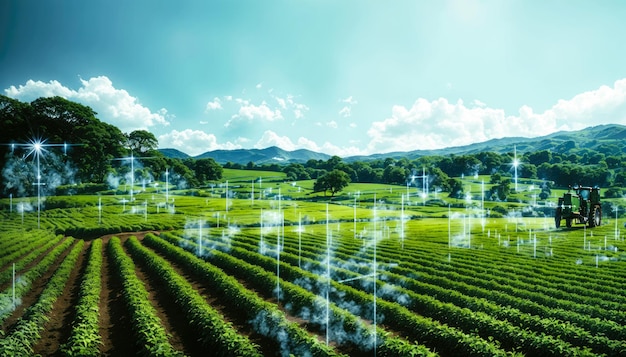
205,169
333,181
141,141
58,120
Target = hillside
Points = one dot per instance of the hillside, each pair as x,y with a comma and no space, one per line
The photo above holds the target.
271,154
601,138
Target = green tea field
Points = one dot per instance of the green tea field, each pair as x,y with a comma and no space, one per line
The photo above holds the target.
279,272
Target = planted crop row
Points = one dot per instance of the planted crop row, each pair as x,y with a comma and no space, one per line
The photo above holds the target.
85,338
553,274
474,287
446,290
346,328
14,241
21,338
150,334
33,248
566,331
266,318
466,283
216,335
592,303
442,338
25,282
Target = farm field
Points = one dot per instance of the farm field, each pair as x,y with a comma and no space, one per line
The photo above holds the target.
277,273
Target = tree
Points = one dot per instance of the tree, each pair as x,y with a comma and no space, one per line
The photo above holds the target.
141,141
334,181
296,172
456,188
501,189
206,169
395,175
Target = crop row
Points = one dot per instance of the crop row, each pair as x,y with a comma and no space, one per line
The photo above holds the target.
449,290
266,318
216,335
565,330
150,335
32,250
595,300
510,336
481,287
469,285
85,338
581,280
440,337
24,283
544,282
346,328
21,338
14,241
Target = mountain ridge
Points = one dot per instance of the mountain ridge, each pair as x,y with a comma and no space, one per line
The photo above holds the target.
590,137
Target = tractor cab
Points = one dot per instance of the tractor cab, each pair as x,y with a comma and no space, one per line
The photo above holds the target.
583,205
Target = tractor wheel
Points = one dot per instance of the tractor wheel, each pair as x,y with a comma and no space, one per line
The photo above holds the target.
568,222
595,218
557,218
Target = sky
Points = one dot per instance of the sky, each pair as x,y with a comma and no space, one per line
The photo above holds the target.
345,78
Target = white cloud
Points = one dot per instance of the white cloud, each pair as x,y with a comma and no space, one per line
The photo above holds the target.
214,105
289,104
438,124
250,112
258,86
113,105
478,103
332,124
345,111
281,102
270,138
193,142
349,101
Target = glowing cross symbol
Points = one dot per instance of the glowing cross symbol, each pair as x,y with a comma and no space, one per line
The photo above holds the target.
36,147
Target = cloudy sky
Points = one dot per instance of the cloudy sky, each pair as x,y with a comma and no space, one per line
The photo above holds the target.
341,77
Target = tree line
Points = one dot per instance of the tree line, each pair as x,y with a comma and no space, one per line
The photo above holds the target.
98,149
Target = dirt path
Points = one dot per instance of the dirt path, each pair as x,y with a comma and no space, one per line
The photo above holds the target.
59,326
114,324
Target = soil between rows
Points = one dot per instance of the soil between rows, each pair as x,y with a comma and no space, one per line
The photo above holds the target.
115,327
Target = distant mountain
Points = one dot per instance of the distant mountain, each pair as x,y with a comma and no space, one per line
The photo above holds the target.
595,138
174,153
271,154
600,138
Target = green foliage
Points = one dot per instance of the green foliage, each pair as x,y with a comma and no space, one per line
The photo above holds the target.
141,142
334,181
209,325
85,338
147,328
21,338
267,318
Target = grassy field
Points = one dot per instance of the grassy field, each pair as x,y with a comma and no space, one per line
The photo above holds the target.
290,271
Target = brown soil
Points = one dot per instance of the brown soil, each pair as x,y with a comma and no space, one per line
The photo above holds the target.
57,328
115,327
36,288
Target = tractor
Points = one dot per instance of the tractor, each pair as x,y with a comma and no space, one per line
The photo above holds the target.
583,206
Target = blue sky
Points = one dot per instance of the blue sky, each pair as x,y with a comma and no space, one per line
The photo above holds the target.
341,77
